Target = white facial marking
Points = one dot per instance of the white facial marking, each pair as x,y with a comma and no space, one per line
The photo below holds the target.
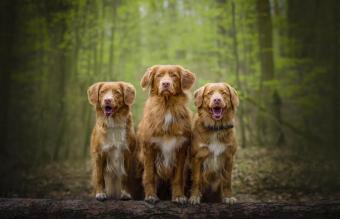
216,95
165,78
168,145
108,95
168,119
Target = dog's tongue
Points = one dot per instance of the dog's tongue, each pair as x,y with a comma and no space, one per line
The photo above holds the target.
108,110
217,113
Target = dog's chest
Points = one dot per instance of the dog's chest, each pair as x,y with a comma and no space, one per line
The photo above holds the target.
167,149
115,136
114,144
214,162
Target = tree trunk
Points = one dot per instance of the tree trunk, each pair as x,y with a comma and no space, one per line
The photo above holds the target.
47,208
237,69
112,40
8,24
269,96
335,79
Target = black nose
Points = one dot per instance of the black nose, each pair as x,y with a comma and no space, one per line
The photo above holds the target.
107,101
166,84
217,100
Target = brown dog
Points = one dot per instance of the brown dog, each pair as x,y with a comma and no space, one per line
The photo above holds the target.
164,132
214,141
112,139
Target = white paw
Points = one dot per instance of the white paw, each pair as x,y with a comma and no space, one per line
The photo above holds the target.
195,200
180,199
125,195
229,200
101,196
151,199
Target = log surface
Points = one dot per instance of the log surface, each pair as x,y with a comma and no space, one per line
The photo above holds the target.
51,208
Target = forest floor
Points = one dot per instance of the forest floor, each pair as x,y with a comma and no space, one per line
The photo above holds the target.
260,174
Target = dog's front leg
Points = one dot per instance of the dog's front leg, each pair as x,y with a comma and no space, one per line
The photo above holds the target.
196,194
226,182
125,192
149,175
177,182
99,177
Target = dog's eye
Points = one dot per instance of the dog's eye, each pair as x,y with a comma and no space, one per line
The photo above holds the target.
159,76
210,92
173,75
116,92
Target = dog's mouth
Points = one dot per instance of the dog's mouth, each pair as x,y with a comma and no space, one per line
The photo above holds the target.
217,112
108,110
166,92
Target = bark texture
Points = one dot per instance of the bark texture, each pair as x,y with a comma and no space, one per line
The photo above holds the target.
48,208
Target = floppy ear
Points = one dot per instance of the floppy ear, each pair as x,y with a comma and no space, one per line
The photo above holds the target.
187,79
148,77
93,93
129,93
198,95
234,100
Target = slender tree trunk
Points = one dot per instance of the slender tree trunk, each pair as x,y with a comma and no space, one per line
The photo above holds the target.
237,69
221,36
110,72
101,39
8,20
335,78
270,97
62,61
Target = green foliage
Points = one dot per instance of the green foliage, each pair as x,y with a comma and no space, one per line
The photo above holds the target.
62,47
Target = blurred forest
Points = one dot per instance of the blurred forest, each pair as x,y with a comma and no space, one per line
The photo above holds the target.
281,55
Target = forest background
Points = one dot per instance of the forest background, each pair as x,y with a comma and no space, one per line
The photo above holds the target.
281,55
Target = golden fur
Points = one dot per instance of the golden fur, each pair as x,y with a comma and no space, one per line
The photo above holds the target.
113,138
164,132
214,141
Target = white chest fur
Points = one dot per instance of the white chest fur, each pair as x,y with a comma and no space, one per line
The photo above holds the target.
114,144
213,162
168,120
168,146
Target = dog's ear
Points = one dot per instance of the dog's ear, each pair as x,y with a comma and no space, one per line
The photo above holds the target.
198,95
93,93
234,100
129,93
148,77
187,79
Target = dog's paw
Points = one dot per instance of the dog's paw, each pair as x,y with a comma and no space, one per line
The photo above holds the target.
229,200
152,199
125,195
101,196
180,199
195,200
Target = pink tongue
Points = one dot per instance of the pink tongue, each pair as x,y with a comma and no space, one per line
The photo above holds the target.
108,111
217,113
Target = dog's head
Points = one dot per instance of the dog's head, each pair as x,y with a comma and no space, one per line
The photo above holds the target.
216,99
167,80
110,97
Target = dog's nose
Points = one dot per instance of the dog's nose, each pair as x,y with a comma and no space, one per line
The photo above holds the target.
107,101
217,100
166,84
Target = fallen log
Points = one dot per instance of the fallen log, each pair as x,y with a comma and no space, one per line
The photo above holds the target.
48,208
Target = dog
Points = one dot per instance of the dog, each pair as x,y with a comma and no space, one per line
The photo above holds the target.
112,139
214,141
164,132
